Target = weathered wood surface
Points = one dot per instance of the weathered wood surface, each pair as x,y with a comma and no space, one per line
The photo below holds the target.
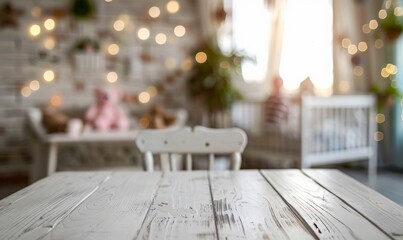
247,207
327,215
34,213
116,211
270,204
182,208
372,205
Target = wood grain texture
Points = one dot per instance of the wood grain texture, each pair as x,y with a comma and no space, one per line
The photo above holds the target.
247,207
376,208
38,209
182,208
115,211
323,212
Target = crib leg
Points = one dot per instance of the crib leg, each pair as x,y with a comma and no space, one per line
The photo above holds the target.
372,170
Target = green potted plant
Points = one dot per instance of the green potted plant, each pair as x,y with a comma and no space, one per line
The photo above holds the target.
210,79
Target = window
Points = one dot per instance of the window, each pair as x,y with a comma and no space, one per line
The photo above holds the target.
307,45
307,41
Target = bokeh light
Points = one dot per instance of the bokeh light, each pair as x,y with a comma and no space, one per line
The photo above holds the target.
119,25
26,91
173,6
34,85
201,57
49,43
113,49
35,30
56,100
180,31
49,75
380,118
143,33
112,77
160,38
49,24
154,12
144,97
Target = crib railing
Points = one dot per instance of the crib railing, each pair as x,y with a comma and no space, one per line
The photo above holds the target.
322,130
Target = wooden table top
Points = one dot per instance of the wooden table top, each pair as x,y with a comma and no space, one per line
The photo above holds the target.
267,204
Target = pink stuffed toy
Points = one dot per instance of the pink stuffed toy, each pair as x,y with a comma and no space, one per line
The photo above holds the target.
106,114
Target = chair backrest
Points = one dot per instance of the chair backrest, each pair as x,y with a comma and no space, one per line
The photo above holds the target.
200,140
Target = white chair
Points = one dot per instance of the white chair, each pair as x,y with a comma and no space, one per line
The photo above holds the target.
200,140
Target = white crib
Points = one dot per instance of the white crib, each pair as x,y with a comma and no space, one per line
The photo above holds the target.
318,131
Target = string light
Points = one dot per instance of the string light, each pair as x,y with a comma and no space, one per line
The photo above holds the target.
201,57
153,91
35,30
119,25
143,33
344,86
49,24
380,118
26,91
49,43
382,14
113,49
345,42
358,71
56,100
112,77
160,38
366,29
154,12
378,43
378,136
362,46
49,76
373,24
34,85
352,49
173,7
144,97
179,31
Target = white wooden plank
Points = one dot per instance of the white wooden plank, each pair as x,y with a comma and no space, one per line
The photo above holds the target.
247,207
182,208
33,212
327,216
378,209
115,211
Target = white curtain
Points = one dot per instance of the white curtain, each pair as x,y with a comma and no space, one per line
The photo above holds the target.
278,11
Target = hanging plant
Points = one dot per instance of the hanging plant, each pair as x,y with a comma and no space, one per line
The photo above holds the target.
83,9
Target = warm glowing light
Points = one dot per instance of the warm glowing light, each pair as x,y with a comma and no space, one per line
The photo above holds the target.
112,77
384,73
379,43
344,86
170,63
56,100
113,49
366,29
201,57
160,38
35,30
180,31
144,97
153,91
108,0
125,18
26,91
49,76
154,12
398,11
352,49
187,64
382,14
119,25
49,24
373,24
358,71
378,136
391,69
345,42
143,33
362,46
34,85
49,43
173,6
380,118
36,11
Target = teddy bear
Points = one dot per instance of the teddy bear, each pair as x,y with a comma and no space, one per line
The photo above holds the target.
106,114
